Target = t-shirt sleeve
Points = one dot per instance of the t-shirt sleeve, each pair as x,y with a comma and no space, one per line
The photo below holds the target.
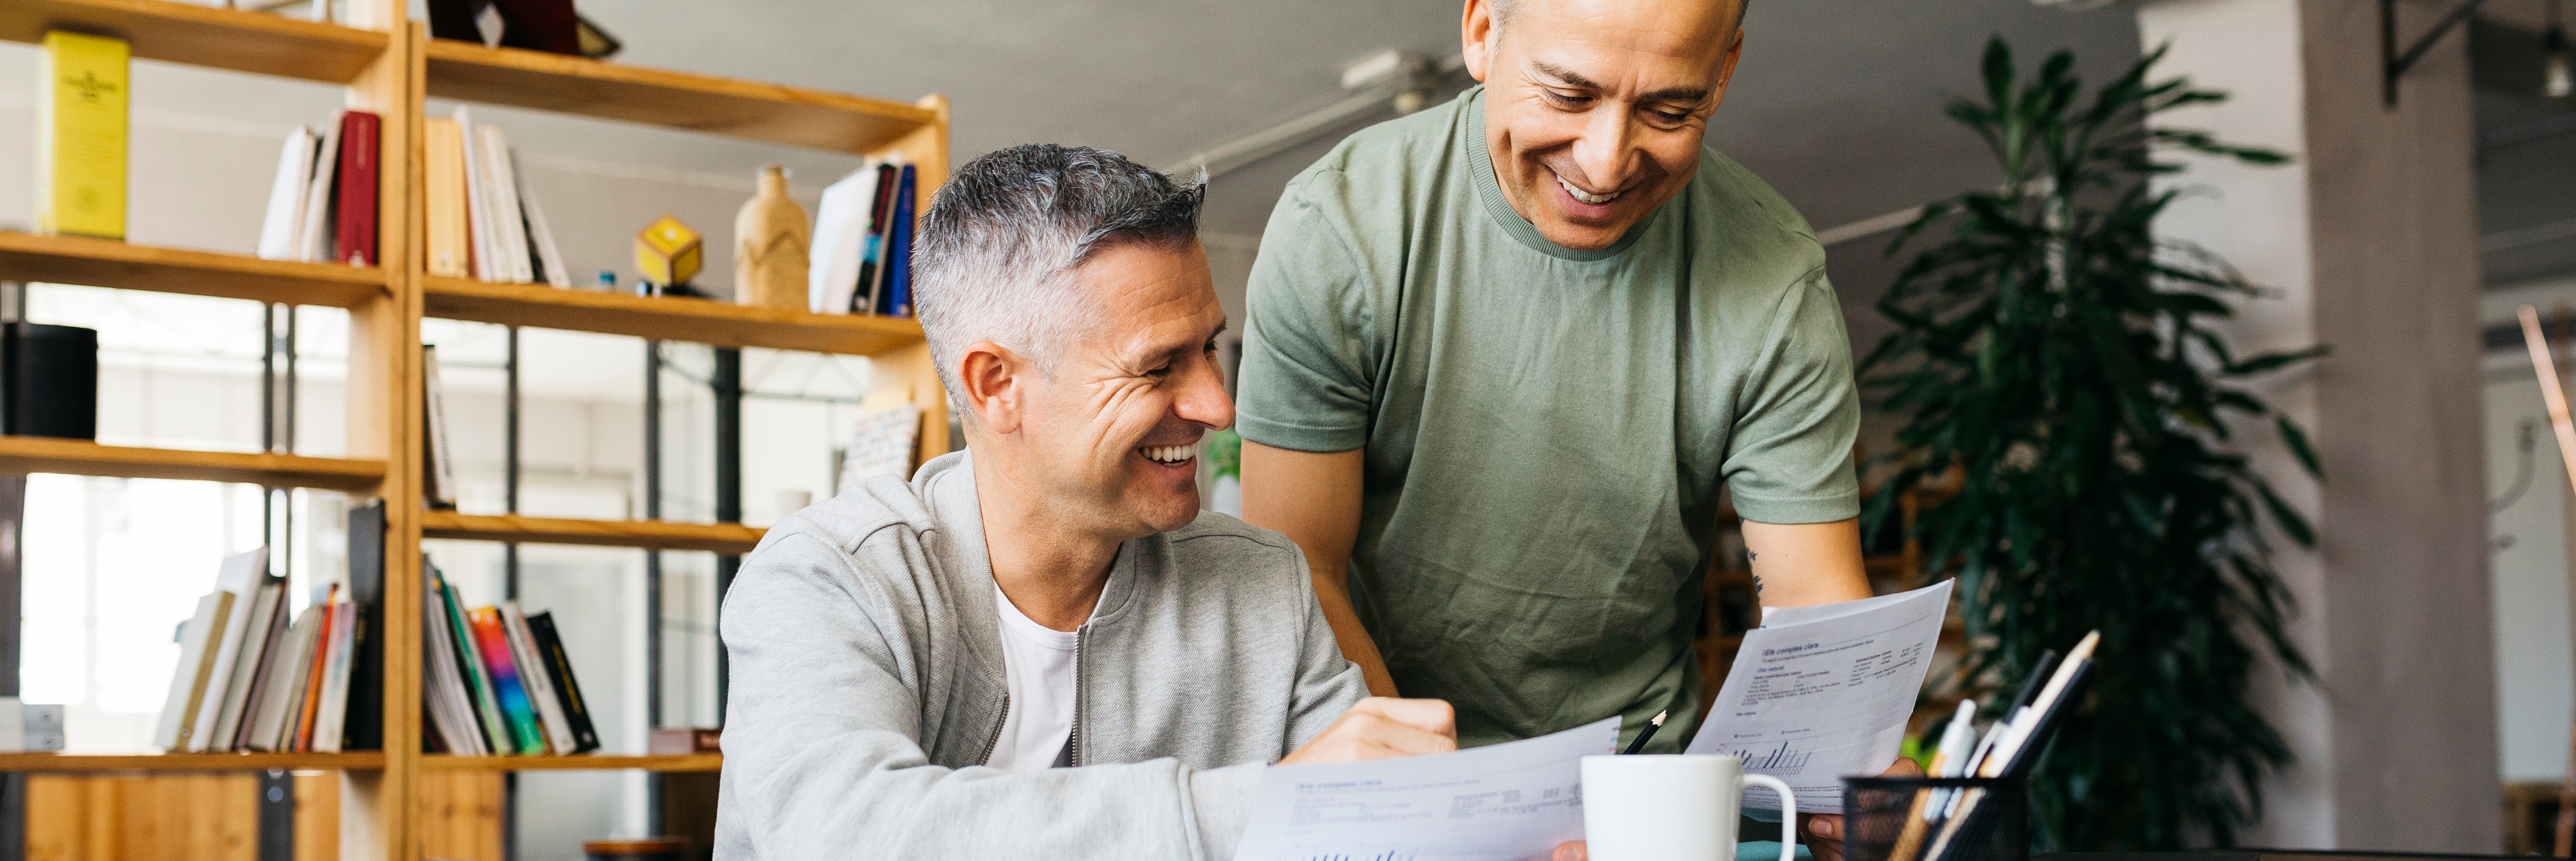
1789,456
1305,380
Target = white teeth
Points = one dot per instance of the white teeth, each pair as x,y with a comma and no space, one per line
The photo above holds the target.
1173,454
1587,198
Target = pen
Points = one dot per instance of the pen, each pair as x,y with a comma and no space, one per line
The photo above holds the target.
1649,732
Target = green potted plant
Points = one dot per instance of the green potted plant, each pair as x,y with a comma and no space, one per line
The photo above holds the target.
2072,410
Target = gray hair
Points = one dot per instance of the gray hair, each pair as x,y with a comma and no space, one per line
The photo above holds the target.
998,246
1504,10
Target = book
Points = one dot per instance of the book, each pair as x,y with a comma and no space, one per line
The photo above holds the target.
899,255
443,151
355,233
841,225
188,679
440,486
501,188
478,204
313,228
516,711
311,708
469,657
533,677
365,721
872,269
267,675
450,707
256,635
550,650
81,124
541,239
283,693
330,726
277,231
240,576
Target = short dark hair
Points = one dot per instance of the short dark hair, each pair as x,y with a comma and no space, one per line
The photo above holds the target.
1503,10
999,243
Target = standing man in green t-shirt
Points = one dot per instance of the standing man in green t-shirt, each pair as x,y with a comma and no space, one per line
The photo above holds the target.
1503,354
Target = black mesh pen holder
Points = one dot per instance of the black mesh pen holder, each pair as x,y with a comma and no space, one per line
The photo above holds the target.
1936,819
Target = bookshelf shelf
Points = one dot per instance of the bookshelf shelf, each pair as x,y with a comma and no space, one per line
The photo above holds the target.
56,762
82,457
748,109
199,35
586,762
731,538
721,324
109,263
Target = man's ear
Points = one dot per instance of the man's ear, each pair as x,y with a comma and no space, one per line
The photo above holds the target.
1476,37
996,381
1726,67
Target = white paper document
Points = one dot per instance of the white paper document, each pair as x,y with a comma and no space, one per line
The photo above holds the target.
1821,693
1502,802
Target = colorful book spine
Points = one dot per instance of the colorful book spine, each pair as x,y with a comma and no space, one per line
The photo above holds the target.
521,714
81,122
899,279
356,240
550,650
487,707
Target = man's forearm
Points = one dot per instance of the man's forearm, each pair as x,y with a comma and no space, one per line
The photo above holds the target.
1333,594
1802,565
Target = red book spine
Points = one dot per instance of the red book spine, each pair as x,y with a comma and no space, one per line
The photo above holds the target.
360,134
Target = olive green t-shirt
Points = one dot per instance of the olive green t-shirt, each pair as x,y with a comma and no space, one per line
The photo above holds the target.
1547,430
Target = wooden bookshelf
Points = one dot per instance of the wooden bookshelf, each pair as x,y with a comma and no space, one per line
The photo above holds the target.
202,35
589,762
729,538
722,324
746,109
82,457
393,804
109,263
57,762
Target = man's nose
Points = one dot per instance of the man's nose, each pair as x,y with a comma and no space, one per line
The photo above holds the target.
1606,149
1202,397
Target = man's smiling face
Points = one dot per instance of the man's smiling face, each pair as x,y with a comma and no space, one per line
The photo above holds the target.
1117,422
1595,110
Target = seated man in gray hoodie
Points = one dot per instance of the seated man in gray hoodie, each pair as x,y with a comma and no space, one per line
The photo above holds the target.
1040,647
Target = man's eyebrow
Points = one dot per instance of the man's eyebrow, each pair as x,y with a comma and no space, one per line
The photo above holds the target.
1564,75
1221,326
1571,78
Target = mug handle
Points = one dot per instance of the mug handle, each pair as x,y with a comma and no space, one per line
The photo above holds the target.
1788,813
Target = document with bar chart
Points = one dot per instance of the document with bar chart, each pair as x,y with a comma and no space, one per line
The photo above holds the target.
1820,693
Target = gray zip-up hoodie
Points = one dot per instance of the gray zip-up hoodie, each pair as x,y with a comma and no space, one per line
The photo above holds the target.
867,688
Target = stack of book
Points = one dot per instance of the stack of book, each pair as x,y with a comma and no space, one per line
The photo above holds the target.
483,222
496,681
862,253
249,681
322,205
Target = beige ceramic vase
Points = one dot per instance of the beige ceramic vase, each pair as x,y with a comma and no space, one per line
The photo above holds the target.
769,246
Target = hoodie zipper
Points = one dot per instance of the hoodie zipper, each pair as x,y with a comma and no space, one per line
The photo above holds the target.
1073,736
996,740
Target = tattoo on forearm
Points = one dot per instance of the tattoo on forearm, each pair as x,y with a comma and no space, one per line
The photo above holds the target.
1757,584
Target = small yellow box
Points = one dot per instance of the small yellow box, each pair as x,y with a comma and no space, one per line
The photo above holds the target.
80,135
668,252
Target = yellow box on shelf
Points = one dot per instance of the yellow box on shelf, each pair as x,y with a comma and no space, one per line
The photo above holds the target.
80,135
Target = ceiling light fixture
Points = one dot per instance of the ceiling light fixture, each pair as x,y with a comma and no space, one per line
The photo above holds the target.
2557,81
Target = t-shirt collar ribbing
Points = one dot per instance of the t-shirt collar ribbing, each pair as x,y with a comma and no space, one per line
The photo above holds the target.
1471,137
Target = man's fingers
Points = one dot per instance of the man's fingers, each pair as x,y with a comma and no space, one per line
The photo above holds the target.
1826,827
1394,737
1427,715
1571,850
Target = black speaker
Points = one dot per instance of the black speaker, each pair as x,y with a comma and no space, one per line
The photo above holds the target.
48,380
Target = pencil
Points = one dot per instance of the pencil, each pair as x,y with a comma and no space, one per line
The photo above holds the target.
1649,732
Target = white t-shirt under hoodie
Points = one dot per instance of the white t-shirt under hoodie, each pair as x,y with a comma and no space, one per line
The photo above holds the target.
1037,663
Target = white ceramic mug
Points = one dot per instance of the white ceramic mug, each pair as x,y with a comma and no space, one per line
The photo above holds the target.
1672,807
